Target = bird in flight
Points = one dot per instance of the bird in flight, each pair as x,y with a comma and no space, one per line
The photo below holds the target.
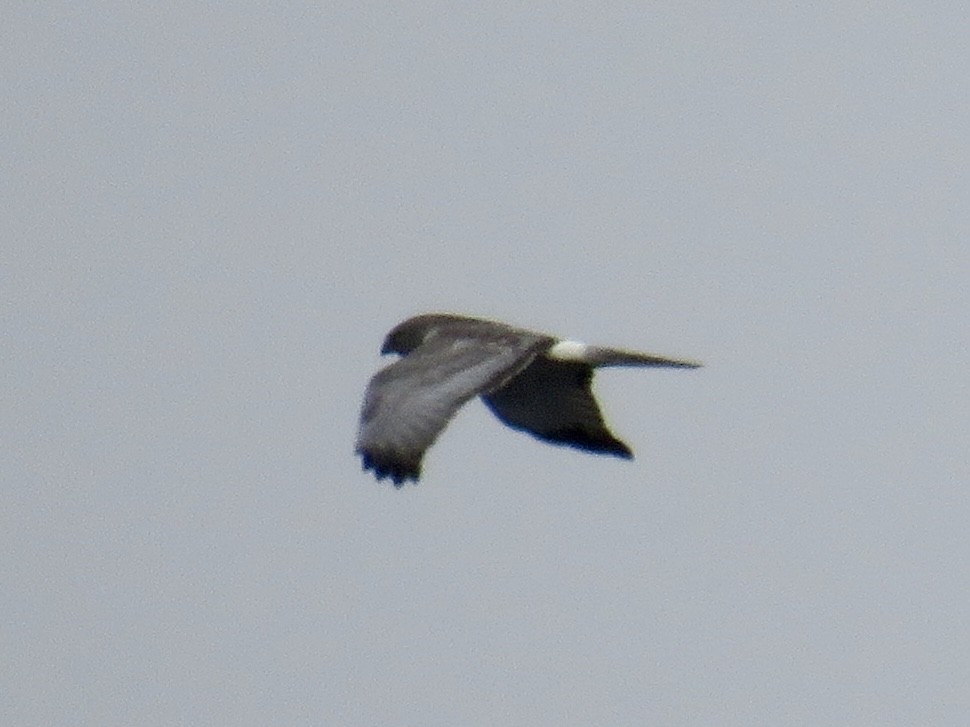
531,381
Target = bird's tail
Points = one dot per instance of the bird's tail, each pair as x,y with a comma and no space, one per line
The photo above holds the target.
598,356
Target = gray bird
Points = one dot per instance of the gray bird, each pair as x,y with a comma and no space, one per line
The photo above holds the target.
531,381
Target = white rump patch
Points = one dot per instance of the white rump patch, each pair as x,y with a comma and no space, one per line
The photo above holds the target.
568,351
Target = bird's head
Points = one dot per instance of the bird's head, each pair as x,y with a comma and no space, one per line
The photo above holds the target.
407,336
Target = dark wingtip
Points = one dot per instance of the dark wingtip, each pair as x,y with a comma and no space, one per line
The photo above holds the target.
589,441
386,465
621,450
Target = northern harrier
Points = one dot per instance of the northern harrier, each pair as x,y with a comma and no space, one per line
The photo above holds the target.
531,381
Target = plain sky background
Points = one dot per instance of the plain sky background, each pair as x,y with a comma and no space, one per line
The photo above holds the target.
211,215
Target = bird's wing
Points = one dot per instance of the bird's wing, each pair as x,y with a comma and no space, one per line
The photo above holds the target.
408,403
552,401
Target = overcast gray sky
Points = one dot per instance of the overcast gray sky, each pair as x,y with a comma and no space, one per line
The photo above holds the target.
211,216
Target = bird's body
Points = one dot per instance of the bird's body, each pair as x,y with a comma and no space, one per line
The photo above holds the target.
531,381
